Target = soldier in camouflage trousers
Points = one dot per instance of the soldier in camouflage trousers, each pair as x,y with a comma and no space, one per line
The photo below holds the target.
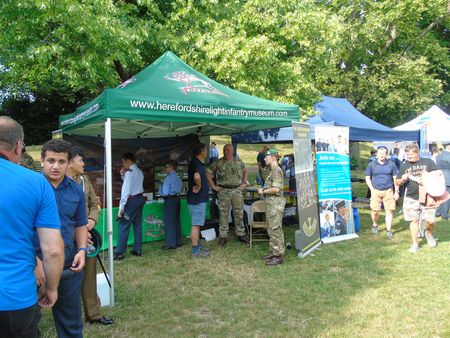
231,175
273,190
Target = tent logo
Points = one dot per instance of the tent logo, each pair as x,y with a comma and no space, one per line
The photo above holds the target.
193,84
127,82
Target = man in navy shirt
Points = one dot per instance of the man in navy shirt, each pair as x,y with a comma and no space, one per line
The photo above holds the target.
72,214
380,176
27,207
197,196
170,191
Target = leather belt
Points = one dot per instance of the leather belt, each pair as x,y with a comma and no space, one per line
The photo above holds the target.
135,196
171,196
229,186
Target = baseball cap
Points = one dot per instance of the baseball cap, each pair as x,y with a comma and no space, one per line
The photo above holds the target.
340,204
271,151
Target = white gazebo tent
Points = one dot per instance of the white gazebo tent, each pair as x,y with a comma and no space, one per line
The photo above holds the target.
435,121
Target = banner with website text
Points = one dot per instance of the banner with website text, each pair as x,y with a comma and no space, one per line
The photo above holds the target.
335,189
307,238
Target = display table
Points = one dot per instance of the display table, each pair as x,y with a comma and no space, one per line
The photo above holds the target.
152,223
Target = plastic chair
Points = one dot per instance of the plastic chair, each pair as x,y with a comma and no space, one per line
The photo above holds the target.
257,208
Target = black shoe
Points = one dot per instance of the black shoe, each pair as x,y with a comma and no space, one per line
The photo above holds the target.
119,257
275,260
136,253
222,241
168,247
243,239
267,257
102,321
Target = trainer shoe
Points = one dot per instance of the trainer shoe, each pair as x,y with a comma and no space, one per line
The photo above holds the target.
430,240
390,234
375,230
201,254
414,248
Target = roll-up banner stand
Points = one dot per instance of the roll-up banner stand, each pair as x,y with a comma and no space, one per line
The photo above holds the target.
335,189
307,238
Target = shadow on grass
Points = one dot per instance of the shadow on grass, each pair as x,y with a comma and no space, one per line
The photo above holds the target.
369,286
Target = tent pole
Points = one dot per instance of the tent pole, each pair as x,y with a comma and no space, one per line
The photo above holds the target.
109,206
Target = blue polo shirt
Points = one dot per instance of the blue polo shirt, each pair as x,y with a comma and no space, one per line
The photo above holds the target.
71,208
382,174
27,202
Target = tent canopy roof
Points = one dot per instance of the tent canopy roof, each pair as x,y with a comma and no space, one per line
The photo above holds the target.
339,112
169,98
436,121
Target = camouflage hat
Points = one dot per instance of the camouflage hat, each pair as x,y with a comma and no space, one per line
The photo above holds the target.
271,151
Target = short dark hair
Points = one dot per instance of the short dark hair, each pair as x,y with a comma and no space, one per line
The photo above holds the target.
198,148
172,164
57,146
10,132
373,152
128,156
76,151
412,146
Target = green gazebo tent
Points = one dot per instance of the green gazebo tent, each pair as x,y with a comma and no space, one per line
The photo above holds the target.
167,99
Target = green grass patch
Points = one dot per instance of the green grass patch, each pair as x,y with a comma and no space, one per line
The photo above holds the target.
367,287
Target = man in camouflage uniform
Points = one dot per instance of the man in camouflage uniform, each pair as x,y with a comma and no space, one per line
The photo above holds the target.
231,175
273,190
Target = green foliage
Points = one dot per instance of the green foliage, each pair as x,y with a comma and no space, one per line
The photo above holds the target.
389,58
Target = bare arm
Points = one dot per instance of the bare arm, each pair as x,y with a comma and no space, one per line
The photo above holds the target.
52,247
81,236
210,181
369,182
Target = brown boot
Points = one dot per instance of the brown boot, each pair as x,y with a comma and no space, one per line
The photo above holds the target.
275,260
222,241
243,239
267,256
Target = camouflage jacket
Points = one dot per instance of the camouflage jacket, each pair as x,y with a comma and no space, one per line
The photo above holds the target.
275,178
227,173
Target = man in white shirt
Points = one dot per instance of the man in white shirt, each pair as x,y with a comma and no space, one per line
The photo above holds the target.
130,207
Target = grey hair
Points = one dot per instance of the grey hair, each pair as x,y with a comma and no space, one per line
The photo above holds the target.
10,132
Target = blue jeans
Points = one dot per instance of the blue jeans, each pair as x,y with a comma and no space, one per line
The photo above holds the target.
67,309
132,211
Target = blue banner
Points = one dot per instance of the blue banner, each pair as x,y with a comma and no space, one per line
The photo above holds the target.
334,184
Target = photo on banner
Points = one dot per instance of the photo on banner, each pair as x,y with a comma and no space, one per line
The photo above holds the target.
335,189
307,237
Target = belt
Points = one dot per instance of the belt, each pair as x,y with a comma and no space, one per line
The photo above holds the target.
135,196
229,186
171,196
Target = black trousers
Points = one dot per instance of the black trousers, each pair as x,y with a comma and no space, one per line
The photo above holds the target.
20,323
172,225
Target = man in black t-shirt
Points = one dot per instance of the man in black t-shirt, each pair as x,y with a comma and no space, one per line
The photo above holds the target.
197,196
409,175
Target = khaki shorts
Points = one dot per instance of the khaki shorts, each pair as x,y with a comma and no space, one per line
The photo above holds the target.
385,196
413,210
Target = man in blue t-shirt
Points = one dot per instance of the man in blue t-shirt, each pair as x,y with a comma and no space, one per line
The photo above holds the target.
380,176
72,214
197,196
27,207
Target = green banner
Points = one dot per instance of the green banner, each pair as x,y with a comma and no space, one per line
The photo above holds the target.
152,223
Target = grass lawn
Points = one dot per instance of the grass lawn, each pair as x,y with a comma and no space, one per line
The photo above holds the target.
367,287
